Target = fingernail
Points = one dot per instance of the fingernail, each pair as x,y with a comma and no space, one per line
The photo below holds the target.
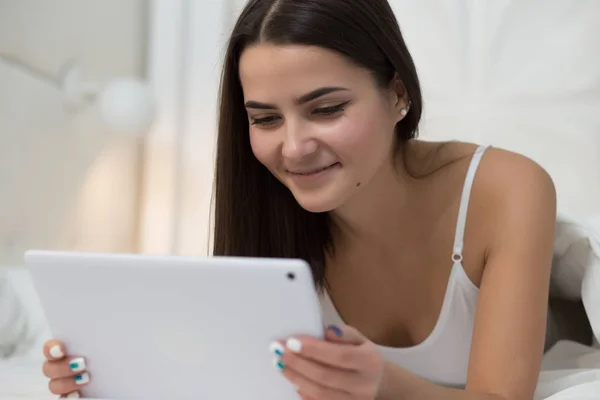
73,395
294,345
82,379
277,349
336,330
77,364
279,364
56,352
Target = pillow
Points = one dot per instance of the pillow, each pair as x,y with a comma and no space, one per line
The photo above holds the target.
523,75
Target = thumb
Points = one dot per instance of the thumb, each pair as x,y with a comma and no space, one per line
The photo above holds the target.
344,334
54,350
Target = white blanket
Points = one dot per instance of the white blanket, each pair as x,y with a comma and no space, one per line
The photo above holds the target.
572,371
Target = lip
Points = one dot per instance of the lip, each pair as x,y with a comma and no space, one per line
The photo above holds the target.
312,175
313,171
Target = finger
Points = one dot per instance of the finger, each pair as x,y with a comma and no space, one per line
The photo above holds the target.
338,355
331,377
54,350
309,389
344,334
64,386
65,368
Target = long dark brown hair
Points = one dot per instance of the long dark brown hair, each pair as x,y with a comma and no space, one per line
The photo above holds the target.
255,214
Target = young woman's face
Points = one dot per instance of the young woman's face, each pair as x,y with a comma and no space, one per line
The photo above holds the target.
319,123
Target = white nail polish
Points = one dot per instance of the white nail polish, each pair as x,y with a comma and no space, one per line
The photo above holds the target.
82,379
276,349
56,352
294,345
77,364
73,395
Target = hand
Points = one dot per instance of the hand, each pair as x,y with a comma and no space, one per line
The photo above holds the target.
67,374
344,366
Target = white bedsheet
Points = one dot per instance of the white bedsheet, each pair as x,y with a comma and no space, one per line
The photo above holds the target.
570,371
21,378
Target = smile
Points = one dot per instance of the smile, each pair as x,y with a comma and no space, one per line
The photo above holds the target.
316,171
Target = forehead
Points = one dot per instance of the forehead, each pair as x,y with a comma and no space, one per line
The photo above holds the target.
267,70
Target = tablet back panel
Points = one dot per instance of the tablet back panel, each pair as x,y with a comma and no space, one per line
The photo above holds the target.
155,327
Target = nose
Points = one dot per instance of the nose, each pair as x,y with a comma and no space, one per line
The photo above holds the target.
297,143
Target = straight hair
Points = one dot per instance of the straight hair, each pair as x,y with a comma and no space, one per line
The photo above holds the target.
255,215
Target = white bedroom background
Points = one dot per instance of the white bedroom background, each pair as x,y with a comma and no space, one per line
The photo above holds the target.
187,44
65,180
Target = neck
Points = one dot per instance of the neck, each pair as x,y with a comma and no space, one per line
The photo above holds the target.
374,214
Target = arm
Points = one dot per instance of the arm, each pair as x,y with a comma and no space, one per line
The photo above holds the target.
510,323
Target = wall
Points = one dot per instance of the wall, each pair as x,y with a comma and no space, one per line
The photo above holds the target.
185,57
65,180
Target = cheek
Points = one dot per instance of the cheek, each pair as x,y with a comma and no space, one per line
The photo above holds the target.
264,149
362,137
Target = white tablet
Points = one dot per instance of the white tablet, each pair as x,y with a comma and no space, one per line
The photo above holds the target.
155,328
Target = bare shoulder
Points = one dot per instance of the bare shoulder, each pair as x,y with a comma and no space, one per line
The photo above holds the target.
509,180
507,185
502,174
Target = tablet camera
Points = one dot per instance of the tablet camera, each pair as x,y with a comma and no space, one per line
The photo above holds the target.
291,276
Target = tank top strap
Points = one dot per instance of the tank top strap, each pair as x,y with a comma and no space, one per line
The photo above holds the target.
464,204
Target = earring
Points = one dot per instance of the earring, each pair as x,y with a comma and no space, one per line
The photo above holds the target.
405,110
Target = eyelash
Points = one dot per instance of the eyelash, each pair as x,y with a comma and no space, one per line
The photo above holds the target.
331,110
324,111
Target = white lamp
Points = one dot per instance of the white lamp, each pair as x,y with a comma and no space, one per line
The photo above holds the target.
127,105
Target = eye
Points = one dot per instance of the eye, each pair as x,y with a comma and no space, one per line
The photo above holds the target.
332,109
265,121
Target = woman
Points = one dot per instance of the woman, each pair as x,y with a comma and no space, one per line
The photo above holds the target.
317,159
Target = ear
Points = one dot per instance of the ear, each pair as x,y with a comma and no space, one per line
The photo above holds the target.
399,98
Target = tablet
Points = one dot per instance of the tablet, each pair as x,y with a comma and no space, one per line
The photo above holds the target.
166,327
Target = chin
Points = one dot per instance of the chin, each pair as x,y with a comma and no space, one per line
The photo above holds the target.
316,207
319,202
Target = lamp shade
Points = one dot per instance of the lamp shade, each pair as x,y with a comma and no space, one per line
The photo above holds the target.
127,106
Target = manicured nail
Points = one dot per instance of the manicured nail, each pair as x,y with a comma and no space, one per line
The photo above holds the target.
277,349
72,395
56,352
279,364
77,364
336,330
294,345
82,379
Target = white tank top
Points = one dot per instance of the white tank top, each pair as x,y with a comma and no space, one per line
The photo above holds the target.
443,356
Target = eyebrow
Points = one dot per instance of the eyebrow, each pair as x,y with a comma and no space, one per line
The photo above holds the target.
315,94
